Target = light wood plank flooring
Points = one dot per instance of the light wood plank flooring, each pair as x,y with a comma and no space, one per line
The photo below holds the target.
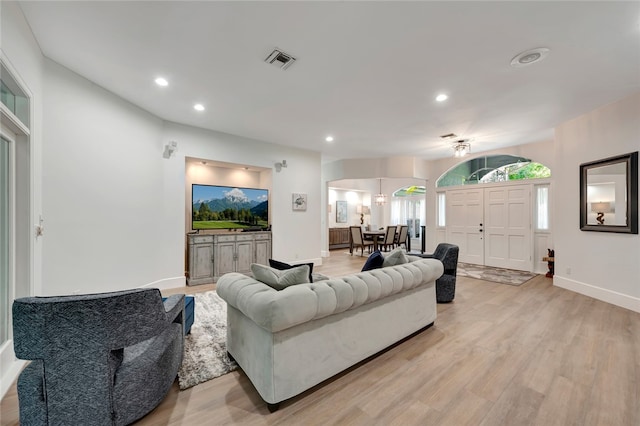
498,355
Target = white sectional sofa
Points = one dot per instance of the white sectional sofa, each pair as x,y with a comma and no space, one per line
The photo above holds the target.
288,341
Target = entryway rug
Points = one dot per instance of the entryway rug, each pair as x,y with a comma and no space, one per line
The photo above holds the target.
496,275
205,349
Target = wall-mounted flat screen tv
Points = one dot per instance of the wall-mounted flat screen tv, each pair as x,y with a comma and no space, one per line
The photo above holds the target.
228,207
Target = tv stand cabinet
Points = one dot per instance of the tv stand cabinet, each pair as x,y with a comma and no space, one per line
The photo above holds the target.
212,255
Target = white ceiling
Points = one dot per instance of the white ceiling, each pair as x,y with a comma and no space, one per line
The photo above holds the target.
367,72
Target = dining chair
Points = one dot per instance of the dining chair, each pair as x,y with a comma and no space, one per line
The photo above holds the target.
401,236
389,238
358,241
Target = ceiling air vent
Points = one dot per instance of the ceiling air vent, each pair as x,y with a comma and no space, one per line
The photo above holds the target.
449,136
280,59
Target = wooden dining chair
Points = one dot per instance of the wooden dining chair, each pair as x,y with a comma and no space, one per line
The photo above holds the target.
389,238
401,236
358,241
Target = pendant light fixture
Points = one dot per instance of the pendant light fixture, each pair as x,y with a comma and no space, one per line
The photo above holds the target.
461,148
380,198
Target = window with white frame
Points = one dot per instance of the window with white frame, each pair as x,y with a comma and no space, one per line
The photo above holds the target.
441,202
407,208
15,178
542,208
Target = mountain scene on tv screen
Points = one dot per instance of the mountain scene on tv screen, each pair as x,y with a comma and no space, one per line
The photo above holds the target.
221,207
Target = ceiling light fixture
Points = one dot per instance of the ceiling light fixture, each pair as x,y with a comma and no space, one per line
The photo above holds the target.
461,148
380,198
529,57
442,97
198,107
329,139
161,82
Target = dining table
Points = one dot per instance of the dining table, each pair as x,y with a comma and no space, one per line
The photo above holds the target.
375,236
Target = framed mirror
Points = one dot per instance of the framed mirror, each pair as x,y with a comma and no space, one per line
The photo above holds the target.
609,194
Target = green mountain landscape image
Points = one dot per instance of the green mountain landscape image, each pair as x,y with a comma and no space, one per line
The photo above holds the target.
224,207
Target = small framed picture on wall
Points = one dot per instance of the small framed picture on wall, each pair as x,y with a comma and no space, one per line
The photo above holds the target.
341,212
299,202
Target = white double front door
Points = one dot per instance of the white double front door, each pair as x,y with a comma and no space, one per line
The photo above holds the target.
492,226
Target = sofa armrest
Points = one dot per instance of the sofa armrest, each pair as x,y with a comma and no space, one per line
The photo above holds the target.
174,306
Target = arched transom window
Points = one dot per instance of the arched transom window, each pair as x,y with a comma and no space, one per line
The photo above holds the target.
493,168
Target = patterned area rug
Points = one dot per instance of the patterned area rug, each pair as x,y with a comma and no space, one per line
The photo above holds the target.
496,275
205,349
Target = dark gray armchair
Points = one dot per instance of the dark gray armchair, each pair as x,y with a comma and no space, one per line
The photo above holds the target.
97,359
446,284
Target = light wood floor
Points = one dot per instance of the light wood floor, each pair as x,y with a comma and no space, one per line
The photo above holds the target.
498,355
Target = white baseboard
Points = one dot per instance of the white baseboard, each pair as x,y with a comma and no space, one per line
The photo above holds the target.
325,253
9,376
609,296
167,283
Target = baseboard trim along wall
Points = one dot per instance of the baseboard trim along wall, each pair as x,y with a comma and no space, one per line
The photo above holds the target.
615,298
167,283
10,376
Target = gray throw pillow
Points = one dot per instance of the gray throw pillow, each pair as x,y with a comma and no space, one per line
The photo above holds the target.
280,280
395,257
317,276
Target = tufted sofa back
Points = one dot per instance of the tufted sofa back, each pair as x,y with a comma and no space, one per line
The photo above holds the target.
276,310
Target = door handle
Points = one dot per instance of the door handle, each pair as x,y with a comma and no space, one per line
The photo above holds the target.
480,230
480,224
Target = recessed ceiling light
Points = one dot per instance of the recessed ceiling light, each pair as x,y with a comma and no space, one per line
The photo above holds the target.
529,57
442,97
198,107
329,139
161,81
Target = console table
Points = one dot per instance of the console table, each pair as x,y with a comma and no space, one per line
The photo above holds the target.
339,238
212,255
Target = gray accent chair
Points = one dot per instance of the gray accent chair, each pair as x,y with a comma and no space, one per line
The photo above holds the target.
97,359
446,284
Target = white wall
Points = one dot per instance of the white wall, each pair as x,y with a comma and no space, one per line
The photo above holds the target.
353,199
296,234
599,264
115,208
108,226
